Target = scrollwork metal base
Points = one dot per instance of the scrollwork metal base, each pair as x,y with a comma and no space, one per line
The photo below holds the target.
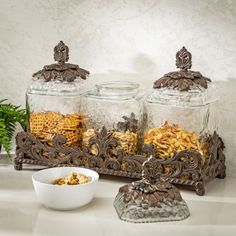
180,170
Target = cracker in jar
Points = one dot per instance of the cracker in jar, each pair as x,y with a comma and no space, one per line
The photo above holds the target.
68,123
45,125
71,136
89,133
127,141
36,121
51,119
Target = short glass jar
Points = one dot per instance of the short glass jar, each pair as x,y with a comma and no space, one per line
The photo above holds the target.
181,112
118,107
53,100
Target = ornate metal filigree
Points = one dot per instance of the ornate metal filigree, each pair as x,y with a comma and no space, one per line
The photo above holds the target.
185,168
183,59
152,170
61,53
184,79
61,71
31,151
129,123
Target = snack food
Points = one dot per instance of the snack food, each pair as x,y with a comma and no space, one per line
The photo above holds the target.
73,179
45,125
87,135
171,139
127,141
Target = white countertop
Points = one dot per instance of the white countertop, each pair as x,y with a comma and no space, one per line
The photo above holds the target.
20,213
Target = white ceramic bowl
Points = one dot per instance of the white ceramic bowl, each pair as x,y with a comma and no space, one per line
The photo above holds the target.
64,197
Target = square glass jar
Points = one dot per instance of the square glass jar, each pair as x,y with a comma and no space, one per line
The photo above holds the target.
53,100
117,107
181,114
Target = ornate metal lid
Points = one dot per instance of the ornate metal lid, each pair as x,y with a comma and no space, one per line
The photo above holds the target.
150,199
61,70
184,79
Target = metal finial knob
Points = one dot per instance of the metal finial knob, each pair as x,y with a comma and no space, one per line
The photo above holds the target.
152,169
61,53
184,59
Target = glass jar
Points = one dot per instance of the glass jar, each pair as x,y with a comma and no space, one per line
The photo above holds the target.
181,111
53,100
118,107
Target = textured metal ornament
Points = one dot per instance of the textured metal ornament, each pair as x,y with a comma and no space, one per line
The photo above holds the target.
150,199
183,59
183,80
129,123
61,71
186,168
61,53
30,150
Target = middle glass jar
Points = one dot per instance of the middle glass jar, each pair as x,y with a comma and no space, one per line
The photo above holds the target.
116,106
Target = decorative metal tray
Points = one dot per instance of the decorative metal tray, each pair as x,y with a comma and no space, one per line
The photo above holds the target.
181,169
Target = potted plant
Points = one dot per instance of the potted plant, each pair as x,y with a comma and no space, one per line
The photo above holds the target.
10,116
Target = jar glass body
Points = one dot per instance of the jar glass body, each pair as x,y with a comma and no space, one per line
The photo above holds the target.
178,121
118,107
54,109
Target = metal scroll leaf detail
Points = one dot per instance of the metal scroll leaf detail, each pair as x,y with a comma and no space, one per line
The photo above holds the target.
183,59
132,163
186,167
35,152
183,80
108,157
61,53
104,143
129,123
216,161
61,71
30,150
152,170
185,164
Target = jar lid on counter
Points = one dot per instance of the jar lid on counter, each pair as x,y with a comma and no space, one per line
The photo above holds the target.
184,87
150,199
58,78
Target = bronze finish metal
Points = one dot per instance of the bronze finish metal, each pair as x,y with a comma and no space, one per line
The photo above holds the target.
184,79
129,123
182,170
184,59
61,71
150,199
145,189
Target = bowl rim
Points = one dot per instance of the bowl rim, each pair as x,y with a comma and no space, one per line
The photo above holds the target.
96,177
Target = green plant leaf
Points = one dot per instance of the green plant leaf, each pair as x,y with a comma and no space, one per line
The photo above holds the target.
5,141
10,115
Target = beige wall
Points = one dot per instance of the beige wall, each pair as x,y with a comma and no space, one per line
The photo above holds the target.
114,39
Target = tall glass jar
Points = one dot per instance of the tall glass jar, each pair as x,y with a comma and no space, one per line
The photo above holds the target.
118,107
181,111
53,100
